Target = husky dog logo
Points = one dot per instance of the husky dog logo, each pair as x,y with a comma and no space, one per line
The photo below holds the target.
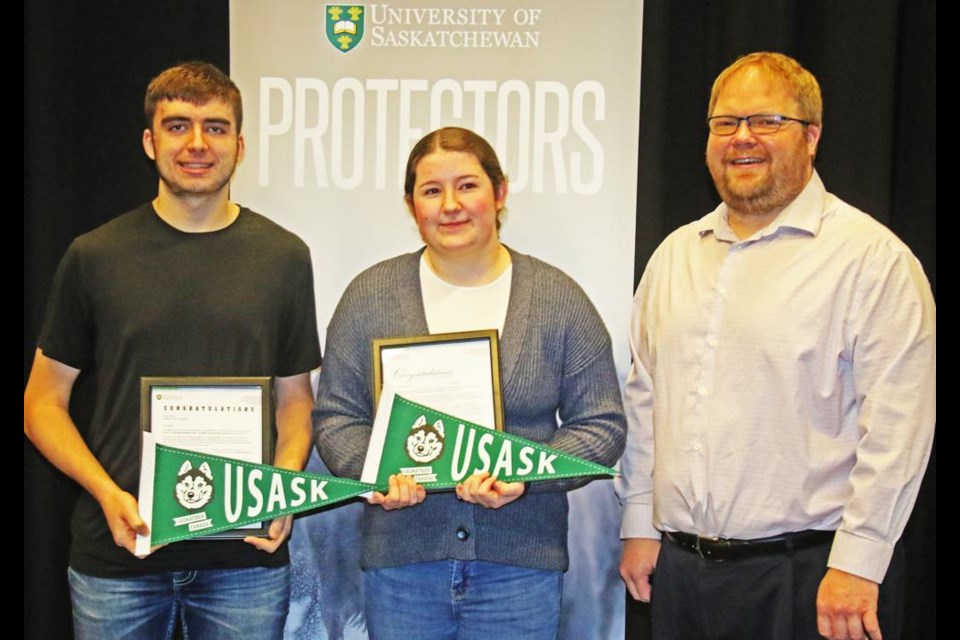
345,26
194,486
425,443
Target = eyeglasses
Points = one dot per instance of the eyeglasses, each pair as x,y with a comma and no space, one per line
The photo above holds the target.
760,123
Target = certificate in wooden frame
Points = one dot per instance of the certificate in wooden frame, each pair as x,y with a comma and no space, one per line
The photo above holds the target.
445,359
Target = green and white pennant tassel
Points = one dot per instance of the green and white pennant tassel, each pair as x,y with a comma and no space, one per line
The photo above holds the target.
185,494
440,450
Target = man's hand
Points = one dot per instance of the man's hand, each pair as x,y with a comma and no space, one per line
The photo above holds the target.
847,607
403,492
279,531
484,489
637,564
123,518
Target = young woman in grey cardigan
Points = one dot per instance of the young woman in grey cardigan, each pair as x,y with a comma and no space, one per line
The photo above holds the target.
486,560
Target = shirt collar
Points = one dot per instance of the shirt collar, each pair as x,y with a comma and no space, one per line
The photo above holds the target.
803,214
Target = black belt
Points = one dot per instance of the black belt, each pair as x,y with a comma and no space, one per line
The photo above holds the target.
732,549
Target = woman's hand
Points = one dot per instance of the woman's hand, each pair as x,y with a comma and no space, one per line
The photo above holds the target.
403,492
484,489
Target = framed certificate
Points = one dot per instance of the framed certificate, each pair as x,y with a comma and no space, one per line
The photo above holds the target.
223,416
457,373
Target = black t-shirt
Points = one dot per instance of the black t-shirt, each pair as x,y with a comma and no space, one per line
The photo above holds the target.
137,297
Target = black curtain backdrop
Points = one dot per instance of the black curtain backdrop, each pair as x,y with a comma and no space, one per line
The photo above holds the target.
86,66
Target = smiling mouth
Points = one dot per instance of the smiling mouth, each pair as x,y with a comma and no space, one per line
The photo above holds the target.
195,168
740,162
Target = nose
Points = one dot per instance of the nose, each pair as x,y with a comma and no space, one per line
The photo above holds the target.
197,139
451,202
743,134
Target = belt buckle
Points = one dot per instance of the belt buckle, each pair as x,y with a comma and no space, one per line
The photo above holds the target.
699,549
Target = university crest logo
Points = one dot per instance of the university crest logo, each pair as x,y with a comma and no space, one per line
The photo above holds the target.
345,25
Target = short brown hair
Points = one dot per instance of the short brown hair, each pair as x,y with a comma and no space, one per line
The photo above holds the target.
194,82
804,86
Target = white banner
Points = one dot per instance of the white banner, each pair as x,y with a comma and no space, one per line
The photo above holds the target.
336,96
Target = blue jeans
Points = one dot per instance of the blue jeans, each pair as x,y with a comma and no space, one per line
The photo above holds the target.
462,600
221,603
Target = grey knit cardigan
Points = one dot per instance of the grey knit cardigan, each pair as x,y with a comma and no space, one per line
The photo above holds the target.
556,365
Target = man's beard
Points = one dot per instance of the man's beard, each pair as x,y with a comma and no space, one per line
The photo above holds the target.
778,188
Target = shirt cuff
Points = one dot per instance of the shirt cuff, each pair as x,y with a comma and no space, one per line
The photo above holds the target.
862,557
637,522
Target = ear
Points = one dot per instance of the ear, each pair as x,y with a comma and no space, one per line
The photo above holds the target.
148,144
186,466
812,136
502,191
408,200
241,148
205,470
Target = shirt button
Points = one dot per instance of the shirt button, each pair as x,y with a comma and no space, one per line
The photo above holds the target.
463,533
711,341
703,392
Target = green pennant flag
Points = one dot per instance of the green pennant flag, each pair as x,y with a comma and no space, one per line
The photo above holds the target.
185,494
440,450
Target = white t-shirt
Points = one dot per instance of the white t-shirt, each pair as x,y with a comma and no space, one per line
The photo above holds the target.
451,308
